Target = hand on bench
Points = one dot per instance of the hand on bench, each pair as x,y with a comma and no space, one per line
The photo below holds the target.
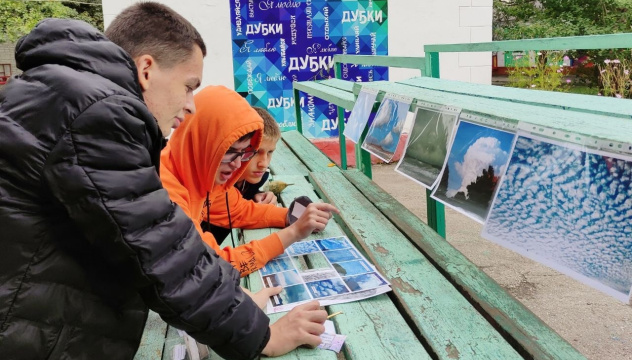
303,325
314,219
261,297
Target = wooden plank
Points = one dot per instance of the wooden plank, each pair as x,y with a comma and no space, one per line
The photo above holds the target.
171,341
587,125
340,84
152,342
313,158
284,161
612,41
449,323
407,62
335,96
534,336
374,327
599,105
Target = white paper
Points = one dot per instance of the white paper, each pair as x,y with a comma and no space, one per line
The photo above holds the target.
385,131
330,270
298,209
179,352
428,143
360,114
331,340
567,207
478,156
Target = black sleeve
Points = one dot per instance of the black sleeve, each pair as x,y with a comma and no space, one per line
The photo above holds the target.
249,190
102,173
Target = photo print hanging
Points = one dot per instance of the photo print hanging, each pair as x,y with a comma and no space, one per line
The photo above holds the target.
567,207
428,142
360,114
386,129
478,156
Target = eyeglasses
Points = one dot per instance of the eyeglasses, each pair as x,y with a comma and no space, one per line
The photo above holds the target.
245,155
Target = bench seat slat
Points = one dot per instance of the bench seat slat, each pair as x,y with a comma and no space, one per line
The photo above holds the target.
537,338
447,321
591,125
374,327
152,342
342,98
285,162
609,106
313,159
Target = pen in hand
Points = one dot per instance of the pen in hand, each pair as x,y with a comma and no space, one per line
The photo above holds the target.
334,314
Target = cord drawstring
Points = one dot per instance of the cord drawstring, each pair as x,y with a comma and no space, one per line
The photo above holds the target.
230,223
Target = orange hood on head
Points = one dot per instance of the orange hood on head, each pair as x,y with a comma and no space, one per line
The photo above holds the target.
190,160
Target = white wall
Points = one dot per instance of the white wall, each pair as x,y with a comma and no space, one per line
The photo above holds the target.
412,24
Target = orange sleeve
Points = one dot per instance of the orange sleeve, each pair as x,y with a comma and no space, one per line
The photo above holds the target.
245,258
245,214
249,257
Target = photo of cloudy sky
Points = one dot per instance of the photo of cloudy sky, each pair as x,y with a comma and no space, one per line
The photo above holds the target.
569,208
478,157
427,145
360,114
385,131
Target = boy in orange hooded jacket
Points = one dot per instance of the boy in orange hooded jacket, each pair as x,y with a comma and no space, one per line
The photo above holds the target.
203,160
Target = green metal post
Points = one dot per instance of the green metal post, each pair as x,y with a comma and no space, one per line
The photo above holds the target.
436,214
341,138
297,108
435,210
363,158
341,124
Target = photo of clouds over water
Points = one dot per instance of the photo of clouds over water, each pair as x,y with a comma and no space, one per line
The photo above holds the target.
360,114
477,159
387,126
569,208
427,145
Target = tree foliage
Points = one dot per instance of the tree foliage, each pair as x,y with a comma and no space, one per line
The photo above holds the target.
18,17
526,19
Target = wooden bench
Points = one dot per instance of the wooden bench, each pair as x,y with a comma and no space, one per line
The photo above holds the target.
442,306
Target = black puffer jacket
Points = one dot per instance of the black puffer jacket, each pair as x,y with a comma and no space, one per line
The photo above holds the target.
88,237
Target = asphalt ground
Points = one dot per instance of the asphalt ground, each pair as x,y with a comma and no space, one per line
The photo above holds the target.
599,326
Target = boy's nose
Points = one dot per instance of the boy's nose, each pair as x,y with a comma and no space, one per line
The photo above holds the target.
236,164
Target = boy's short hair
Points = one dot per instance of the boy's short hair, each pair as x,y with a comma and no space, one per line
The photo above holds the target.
271,129
149,28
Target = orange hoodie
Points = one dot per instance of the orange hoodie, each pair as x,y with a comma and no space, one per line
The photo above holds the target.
190,160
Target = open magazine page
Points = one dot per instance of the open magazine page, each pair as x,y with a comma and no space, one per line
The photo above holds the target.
330,270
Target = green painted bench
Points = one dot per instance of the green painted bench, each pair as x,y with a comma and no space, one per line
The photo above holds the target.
441,307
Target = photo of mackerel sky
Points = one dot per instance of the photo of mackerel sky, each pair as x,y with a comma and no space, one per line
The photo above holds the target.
570,209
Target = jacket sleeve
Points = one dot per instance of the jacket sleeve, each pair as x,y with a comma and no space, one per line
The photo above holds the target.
101,171
245,214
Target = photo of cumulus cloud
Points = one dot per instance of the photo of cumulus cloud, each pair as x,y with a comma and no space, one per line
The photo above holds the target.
360,114
427,146
387,126
568,208
477,159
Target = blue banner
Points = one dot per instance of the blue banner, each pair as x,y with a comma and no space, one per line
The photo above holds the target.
278,42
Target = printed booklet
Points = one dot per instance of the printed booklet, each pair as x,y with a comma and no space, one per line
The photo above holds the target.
330,270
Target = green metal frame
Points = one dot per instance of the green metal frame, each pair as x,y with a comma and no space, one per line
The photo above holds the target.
612,41
363,158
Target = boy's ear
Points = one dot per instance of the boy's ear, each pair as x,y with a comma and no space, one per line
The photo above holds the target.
145,64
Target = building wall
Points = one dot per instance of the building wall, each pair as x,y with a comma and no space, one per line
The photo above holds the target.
412,24
7,56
